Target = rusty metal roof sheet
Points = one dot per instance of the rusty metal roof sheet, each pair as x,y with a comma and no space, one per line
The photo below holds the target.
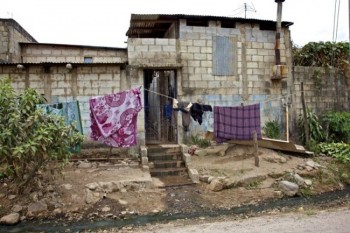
70,45
156,25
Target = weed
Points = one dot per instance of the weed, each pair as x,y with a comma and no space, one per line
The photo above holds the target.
201,142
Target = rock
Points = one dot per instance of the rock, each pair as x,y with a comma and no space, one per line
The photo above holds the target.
155,211
36,207
193,173
308,182
204,178
10,219
122,202
308,168
216,185
11,197
67,186
200,152
210,179
17,208
83,164
310,163
106,209
50,188
298,179
57,211
288,188
91,197
92,186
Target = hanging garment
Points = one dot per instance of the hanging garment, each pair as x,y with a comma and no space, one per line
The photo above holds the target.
70,112
237,123
186,120
114,118
197,110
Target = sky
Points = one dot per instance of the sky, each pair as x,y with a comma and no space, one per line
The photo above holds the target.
105,22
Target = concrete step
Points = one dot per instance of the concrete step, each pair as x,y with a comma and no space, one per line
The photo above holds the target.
163,149
166,164
161,172
164,156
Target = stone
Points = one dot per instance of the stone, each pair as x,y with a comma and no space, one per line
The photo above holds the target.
308,168
288,188
67,186
204,178
37,207
57,211
210,179
216,185
308,182
106,209
92,186
122,202
17,208
91,197
83,164
11,197
298,179
10,219
310,163
193,173
202,152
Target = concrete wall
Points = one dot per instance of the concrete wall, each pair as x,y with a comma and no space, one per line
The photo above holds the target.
37,53
10,34
253,62
324,90
151,52
60,85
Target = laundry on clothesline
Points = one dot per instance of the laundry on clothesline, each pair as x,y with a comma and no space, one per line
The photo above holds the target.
197,110
70,111
114,118
236,123
182,106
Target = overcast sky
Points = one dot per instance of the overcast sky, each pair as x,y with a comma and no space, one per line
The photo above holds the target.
105,22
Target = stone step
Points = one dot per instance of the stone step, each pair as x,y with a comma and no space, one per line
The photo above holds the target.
161,172
163,150
170,181
166,164
164,156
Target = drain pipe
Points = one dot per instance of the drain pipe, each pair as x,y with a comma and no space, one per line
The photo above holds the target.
278,32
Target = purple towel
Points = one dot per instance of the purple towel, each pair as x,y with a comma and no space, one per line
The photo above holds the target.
237,123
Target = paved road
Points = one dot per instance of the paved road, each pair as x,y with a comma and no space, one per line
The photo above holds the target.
335,221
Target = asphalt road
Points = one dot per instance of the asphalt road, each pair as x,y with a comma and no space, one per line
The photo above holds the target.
333,221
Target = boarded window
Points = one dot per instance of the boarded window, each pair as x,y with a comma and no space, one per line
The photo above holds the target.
223,58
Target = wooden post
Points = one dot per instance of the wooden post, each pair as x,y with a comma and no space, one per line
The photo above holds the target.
256,155
306,125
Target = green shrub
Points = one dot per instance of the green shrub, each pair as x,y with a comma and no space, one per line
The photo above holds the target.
337,126
338,150
272,129
315,128
30,139
201,142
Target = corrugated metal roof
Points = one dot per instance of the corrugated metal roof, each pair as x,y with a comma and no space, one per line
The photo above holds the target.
70,45
156,25
63,63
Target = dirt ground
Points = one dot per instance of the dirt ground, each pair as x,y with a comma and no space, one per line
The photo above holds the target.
111,190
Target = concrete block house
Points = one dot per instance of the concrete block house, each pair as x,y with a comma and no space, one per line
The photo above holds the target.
212,60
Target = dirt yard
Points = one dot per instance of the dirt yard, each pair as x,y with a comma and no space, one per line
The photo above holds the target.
104,190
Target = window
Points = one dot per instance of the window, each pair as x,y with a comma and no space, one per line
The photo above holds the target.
223,59
87,59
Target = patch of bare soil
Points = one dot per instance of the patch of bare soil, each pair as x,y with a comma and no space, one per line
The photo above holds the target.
104,190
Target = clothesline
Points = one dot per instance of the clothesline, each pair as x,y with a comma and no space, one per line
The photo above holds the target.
260,102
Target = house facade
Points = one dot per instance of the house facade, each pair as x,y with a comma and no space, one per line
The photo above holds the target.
217,61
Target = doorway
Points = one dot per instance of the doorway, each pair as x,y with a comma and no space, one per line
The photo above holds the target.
160,119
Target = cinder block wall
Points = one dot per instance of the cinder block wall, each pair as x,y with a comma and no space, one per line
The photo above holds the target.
60,85
10,34
254,56
37,53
